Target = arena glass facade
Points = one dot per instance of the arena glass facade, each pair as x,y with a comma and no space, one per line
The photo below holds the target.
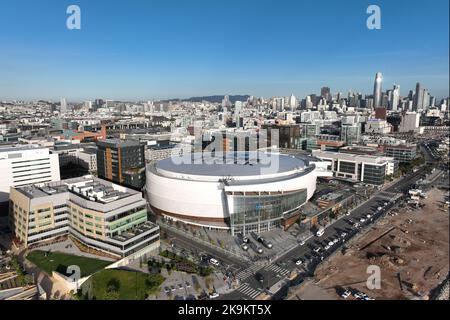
262,211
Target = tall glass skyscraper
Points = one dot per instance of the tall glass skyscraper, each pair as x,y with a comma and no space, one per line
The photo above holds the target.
377,90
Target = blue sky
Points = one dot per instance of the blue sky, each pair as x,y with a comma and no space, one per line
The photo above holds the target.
140,49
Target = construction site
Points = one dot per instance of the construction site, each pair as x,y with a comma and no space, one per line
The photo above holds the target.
410,245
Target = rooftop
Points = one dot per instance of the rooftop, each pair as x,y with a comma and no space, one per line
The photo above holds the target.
87,187
245,164
118,143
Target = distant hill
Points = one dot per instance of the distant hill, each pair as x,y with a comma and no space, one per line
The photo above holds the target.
218,99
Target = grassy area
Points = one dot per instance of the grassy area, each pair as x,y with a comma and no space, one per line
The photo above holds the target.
57,261
114,284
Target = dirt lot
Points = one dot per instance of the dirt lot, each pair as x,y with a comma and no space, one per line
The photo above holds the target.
411,249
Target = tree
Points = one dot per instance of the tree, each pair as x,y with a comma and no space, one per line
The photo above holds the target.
111,295
208,281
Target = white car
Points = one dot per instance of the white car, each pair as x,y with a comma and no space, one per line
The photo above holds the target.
316,250
343,234
327,247
213,295
330,243
346,294
298,262
335,240
368,216
362,220
302,243
214,262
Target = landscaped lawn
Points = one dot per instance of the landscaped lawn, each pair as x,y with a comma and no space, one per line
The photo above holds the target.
112,284
57,261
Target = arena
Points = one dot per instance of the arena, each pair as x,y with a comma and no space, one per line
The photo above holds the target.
241,192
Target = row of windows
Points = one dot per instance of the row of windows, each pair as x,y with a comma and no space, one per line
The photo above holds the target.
44,177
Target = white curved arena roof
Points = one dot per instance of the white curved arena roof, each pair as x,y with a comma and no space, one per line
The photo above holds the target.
244,166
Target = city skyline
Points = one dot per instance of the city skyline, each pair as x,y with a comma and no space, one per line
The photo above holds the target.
158,50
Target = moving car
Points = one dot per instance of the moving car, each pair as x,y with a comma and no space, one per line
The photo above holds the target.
320,232
213,295
259,277
302,243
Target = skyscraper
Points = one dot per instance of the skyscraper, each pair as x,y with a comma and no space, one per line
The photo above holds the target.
377,90
63,108
293,102
395,97
325,93
418,97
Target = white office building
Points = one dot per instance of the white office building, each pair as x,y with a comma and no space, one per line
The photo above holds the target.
365,168
24,165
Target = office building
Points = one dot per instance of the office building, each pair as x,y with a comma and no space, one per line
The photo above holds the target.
355,167
410,122
122,162
351,133
401,153
101,215
23,165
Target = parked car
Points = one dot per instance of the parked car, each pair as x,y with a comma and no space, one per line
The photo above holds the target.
214,262
346,294
298,262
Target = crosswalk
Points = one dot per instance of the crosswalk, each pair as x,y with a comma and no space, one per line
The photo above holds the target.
244,274
277,269
246,290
